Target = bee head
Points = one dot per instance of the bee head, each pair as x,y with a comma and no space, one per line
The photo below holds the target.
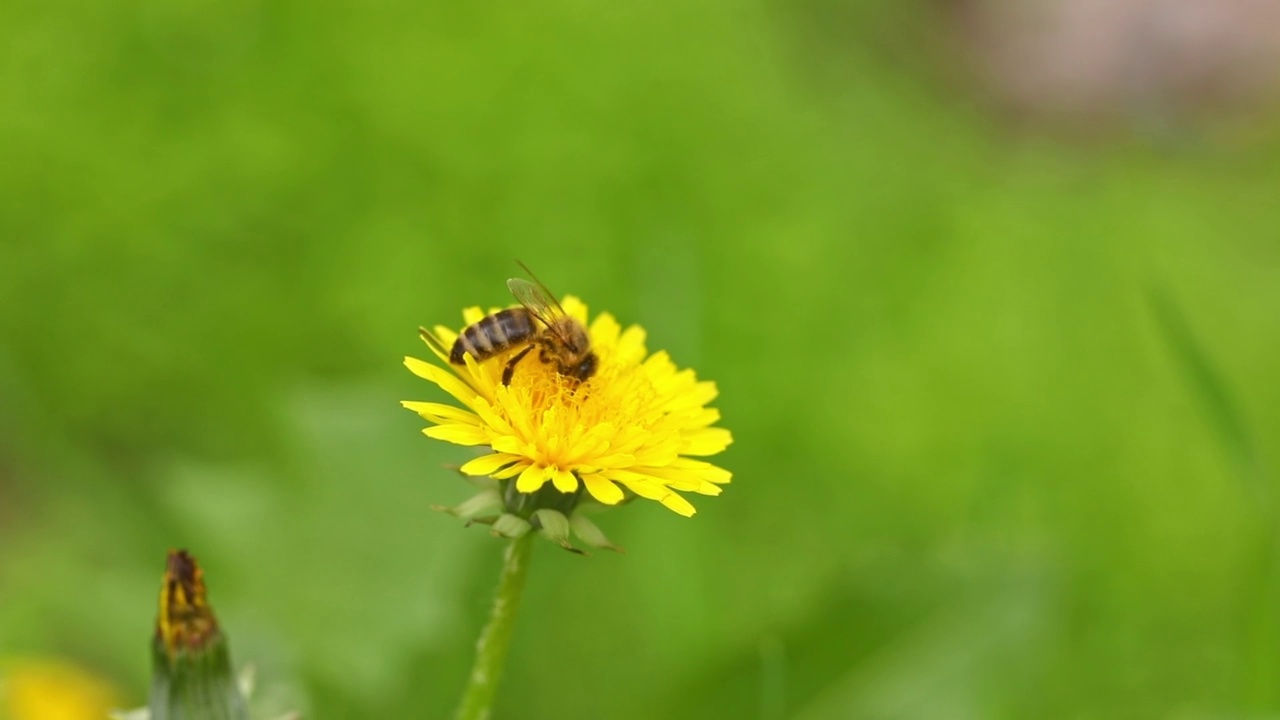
581,370
574,336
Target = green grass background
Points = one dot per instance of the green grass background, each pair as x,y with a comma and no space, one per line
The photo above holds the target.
1006,407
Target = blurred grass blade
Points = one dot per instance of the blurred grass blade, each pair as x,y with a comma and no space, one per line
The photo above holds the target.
1210,388
1213,394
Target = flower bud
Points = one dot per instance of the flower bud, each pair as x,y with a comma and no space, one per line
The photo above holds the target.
192,677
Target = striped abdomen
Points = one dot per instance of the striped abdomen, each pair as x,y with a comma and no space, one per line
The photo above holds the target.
494,334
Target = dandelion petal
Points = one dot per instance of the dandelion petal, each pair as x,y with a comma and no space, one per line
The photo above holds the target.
602,489
706,441
441,413
564,481
488,464
445,379
458,434
532,479
678,504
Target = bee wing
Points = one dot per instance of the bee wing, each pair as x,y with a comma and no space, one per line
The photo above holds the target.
536,299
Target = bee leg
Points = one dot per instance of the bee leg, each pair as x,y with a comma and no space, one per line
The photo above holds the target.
510,369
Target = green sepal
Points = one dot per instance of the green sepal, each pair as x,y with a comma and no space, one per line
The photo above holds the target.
511,526
590,533
478,505
195,683
555,526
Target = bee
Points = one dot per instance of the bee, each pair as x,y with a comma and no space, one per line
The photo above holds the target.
540,322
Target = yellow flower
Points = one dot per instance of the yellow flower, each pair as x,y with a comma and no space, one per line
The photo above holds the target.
634,427
52,690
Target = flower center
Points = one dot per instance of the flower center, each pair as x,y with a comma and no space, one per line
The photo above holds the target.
569,424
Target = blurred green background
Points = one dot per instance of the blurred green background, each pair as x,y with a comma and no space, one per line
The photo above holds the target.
1005,391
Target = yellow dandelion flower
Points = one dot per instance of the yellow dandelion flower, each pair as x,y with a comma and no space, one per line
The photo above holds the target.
52,690
634,428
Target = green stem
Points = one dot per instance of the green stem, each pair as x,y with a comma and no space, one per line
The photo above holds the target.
495,639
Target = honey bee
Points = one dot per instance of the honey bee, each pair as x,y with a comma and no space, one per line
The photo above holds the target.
540,322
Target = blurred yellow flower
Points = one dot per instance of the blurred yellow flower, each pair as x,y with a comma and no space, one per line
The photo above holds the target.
635,426
52,690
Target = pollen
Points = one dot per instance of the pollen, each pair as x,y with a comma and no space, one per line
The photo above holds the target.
636,428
